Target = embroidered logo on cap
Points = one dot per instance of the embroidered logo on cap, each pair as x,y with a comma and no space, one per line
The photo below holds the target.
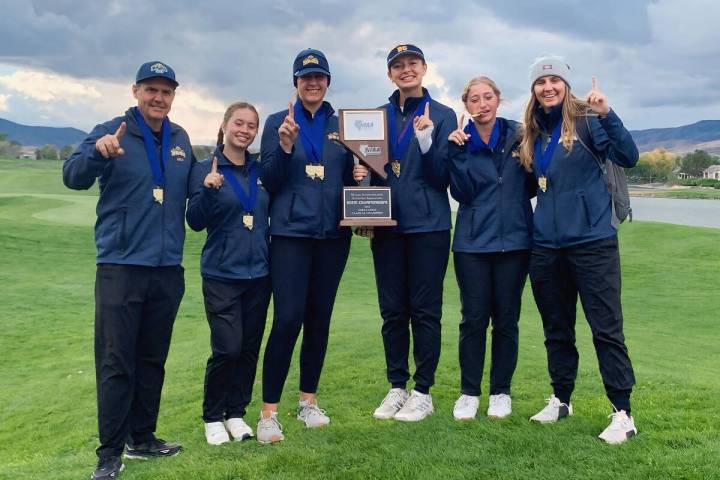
311,59
401,48
547,67
159,68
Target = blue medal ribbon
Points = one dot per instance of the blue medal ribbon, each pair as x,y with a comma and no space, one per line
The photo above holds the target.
476,142
247,200
312,132
157,166
542,159
399,143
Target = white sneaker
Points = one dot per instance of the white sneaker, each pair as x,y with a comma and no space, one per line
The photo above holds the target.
269,429
417,407
238,429
391,404
620,429
313,416
466,407
499,406
553,411
215,433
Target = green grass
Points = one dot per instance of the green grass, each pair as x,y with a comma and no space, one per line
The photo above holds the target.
47,399
695,192
692,193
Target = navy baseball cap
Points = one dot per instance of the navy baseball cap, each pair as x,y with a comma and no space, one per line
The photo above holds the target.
404,49
310,61
155,69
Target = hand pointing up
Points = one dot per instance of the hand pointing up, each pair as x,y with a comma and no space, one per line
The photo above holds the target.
213,179
109,145
597,100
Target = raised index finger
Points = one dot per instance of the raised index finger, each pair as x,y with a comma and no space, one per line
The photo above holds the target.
213,169
594,82
120,131
427,110
291,111
461,121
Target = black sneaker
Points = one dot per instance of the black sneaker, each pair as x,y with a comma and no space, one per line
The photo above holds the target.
108,468
155,448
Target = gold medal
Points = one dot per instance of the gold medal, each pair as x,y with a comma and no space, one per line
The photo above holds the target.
158,194
315,171
395,165
310,171
248,221
542,183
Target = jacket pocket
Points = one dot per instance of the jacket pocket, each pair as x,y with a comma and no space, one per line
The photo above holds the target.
291,207
121,234
464,223
223,250
302,209
586,211
473,226
427,201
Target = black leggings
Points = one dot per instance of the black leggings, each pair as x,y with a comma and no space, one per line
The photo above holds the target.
305,275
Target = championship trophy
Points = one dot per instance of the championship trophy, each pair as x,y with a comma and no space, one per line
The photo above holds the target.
362,131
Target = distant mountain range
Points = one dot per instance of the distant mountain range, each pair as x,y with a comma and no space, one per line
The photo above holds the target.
703,135
39,136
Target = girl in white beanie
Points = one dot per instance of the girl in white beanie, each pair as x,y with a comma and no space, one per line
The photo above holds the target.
575,247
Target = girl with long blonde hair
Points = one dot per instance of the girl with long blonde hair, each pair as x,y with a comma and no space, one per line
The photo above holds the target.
575,249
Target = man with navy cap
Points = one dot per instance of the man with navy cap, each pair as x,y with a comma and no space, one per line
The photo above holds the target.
142,162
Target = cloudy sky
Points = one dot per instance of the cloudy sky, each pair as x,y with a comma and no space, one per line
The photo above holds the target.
71,63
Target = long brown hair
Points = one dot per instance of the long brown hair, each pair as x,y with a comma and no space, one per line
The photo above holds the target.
228,113
572,107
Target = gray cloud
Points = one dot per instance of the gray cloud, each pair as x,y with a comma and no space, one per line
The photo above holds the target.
650,56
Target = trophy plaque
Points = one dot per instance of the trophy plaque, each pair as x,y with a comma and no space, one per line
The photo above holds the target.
362,131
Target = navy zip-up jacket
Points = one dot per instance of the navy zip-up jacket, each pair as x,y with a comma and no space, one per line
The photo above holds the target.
419,196
131,227
301,206
576,207
495,214
231,250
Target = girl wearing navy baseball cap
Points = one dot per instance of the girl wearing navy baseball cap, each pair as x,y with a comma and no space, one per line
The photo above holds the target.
411,258
567,143
304,170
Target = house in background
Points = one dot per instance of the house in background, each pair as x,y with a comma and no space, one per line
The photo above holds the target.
28,152
713,172
677,171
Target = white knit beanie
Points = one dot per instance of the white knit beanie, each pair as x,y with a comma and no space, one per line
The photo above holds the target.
549,65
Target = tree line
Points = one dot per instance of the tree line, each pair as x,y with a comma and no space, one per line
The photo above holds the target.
662,166
12,148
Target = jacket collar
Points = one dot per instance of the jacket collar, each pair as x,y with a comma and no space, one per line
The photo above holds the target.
134,128
329,110
223,160
411,103
548,120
